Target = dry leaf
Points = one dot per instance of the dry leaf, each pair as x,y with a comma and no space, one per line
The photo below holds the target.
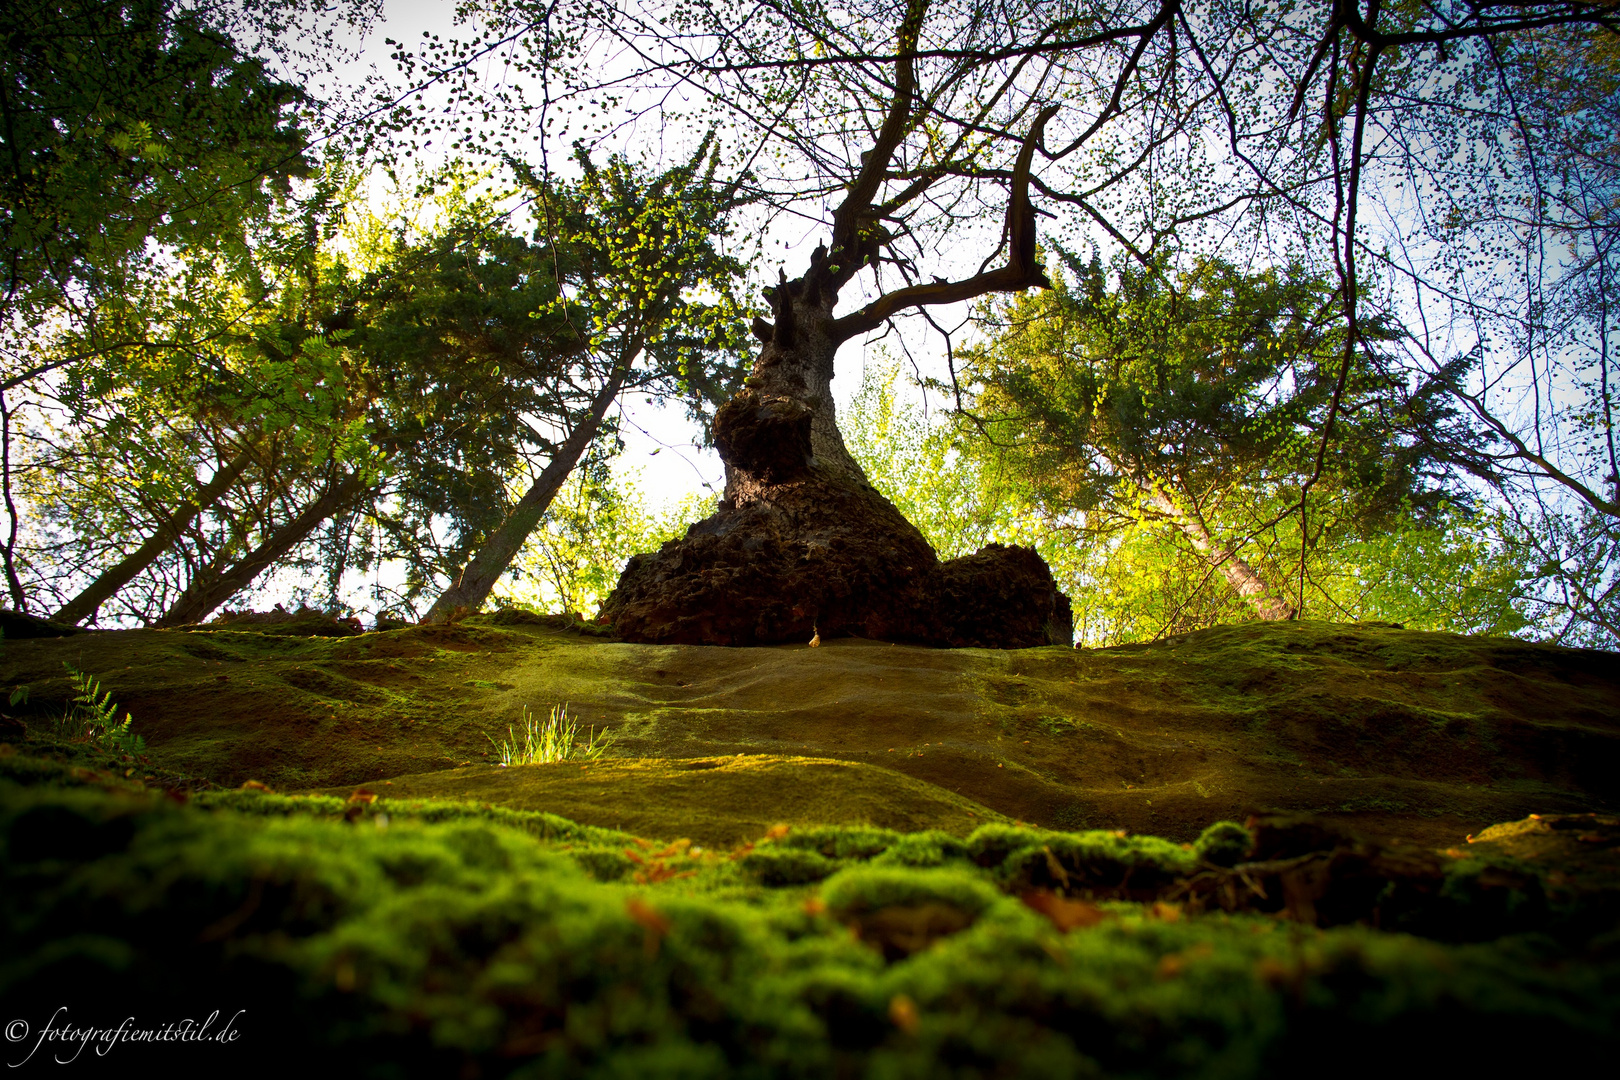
654,923
1065,914
1165,912
903,1011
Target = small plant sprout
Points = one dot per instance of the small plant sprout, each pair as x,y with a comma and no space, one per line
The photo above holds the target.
556,738
91,715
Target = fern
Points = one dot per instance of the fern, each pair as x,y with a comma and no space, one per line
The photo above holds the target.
92,716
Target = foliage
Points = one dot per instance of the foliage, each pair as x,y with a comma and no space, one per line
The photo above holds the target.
933,470
556,738
141,140
92,716
651,307
1138,579
230,368
131,129
174,303
1200,401
599,519
391,402
1442,162
1454,572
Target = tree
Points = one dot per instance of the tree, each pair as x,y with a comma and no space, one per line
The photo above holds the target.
646,249
1136,578
1430,163
1453,160
802,541
221,391
1201,401
129,131
1180,130
411,392
125,126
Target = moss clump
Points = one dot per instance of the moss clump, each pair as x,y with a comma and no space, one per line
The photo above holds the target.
393,945
842,842
1224,843
930,847
1095,863
788,866
866,889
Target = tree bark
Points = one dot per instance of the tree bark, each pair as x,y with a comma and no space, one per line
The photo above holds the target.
117,576
476,580
205,595
1238,573
802,545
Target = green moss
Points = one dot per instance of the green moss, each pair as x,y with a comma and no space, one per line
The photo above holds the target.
471,945
929,848
459,923
1224,843
603,863
842,842
429,811
1433,734
871,888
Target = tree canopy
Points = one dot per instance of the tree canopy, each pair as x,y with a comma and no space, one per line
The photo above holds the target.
1200,399
1354,276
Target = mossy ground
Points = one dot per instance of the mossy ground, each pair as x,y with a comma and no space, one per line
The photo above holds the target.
817,863
384,938
1430,736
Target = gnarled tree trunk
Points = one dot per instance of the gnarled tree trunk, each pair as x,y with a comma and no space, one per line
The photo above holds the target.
802,543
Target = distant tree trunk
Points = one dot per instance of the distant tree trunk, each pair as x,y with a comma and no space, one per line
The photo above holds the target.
1238,573
207,593
473,586
116,577
18,597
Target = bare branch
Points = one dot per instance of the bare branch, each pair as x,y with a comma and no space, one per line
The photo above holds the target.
1021,271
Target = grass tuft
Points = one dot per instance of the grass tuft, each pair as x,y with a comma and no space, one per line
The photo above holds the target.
556,738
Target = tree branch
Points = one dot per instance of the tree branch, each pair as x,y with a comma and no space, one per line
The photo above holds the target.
1021,271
